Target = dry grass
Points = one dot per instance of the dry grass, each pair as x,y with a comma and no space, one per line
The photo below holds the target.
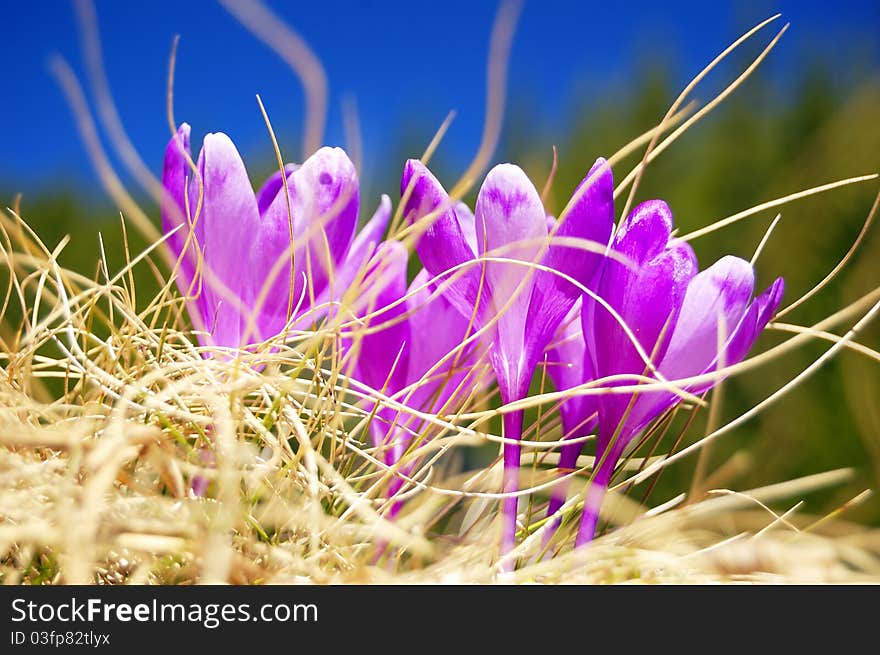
131,458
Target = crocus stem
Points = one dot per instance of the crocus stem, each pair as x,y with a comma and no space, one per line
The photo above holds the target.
391,513
392,459
393,488
512,430
592,503
567,460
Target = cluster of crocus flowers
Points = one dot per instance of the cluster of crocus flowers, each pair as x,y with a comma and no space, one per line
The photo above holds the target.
252,263
673,323
626,312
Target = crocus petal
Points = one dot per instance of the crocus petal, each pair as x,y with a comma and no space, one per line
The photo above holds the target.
364,246
467,222
694,349
444,244
648,307
591,218
569,365
645,233
432,314
176,172
510,223
509,215
272,186
327,201
229,219
371,233
647,298
651,311
404,358
383,358
753,322
715,302
565,356
383,355
322,214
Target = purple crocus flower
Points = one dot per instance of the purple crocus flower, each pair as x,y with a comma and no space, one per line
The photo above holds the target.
418,357
521,307
688,323
237,265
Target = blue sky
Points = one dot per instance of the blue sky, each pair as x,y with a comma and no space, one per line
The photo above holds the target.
405,63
